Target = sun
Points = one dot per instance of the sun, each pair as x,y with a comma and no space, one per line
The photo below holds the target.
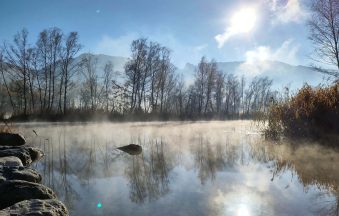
243,211
243,21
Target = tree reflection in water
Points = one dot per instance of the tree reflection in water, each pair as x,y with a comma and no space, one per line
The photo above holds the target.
211,158
148,174
312,164
56,168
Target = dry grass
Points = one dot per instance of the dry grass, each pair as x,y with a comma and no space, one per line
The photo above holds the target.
6,127
311,113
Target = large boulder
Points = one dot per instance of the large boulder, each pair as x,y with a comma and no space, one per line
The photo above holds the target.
27,155
10,161
49,207
14,191
19,173
11,139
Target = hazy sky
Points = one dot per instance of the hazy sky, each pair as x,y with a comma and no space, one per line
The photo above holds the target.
226,30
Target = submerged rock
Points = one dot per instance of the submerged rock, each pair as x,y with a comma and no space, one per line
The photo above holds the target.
11,139
14,191
50,207
27,155
19,173
131,149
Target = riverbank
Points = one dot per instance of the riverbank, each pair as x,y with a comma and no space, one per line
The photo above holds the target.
21,191
88,115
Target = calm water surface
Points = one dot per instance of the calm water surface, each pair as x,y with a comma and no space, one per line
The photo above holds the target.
201,168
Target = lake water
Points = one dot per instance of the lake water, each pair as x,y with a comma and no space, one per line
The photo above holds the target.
185,168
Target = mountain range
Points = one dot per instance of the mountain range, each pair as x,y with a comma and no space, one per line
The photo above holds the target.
282,74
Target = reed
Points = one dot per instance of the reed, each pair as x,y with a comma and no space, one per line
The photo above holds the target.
311,113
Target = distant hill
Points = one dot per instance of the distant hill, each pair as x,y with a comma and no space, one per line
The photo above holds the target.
118,62
281,73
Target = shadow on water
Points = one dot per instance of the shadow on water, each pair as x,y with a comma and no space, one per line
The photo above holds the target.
200,170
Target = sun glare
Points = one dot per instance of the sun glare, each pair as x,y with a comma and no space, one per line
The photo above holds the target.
244,20
243,211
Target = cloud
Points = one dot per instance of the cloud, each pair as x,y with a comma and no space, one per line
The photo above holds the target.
291,11
273,4
242,21
259,54
222,38
259,59
287,53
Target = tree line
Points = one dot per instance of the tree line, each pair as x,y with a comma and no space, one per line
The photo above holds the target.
37,78
49,78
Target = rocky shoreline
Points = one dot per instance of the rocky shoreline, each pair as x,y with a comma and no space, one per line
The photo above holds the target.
21,191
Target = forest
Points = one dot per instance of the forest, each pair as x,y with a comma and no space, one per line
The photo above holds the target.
46,80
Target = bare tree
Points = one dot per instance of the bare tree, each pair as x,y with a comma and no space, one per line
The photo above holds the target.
219,90
108,77
153,62
165,77
200,82
2,70
55,39
210,85
68,52
135,72
324,27
90,89
49,48
17,56
43,50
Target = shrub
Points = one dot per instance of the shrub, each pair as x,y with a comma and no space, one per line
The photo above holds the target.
311,113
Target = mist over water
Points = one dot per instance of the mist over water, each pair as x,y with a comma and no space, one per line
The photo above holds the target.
185,168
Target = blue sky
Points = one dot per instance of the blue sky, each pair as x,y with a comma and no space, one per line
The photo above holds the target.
188,27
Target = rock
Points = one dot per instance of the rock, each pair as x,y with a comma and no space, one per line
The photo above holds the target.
35,153
11,139
131,149
19,173
14,191
49,207
10,161
27,155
